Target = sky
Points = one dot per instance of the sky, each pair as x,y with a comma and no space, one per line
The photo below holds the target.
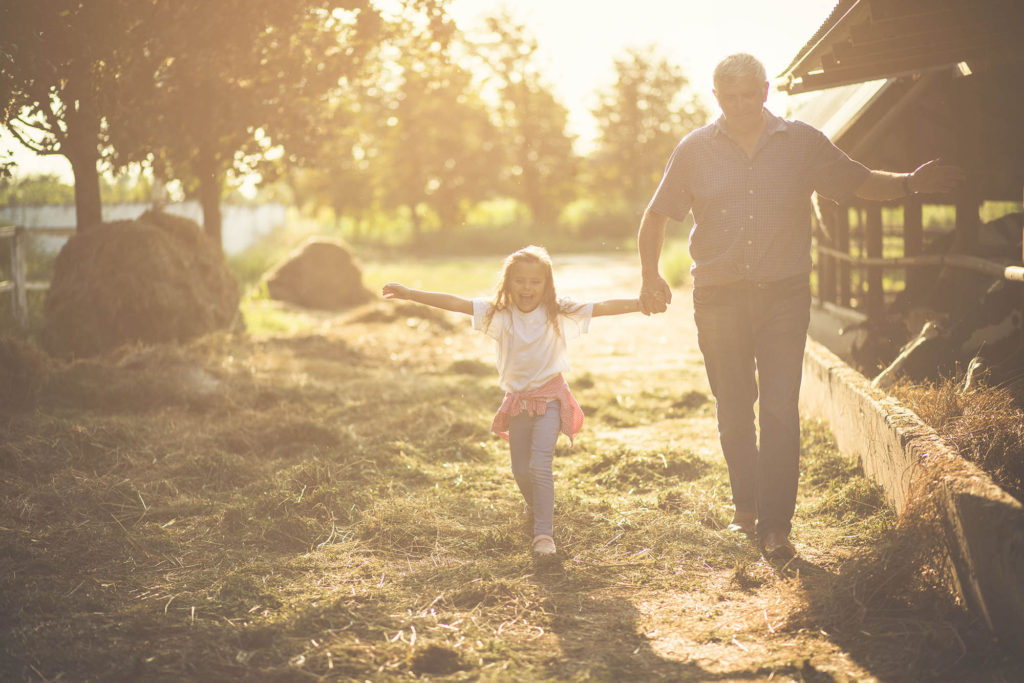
579,39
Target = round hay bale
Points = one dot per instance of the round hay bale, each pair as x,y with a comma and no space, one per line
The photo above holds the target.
23,371
319,274
155,279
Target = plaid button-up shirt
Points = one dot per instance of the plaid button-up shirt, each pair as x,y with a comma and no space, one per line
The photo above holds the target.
752,215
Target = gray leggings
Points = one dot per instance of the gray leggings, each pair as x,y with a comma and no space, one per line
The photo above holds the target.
532,442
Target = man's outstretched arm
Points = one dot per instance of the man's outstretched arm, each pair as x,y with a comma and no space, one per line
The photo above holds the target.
933,177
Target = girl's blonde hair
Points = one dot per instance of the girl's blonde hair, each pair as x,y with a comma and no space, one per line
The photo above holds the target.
502,298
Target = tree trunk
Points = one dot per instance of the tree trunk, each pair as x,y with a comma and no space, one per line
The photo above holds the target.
81,147
88,208
211,185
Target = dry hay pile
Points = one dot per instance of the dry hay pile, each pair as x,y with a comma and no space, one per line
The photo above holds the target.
319,274
155,279
984,424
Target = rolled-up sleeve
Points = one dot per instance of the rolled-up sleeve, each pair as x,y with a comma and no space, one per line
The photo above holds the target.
673,198
835,175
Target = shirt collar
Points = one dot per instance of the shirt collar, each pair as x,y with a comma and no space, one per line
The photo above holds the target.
773,124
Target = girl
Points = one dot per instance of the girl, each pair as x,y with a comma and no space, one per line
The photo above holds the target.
530,325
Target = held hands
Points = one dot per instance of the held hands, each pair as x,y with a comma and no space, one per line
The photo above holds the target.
655,295
934,178
394,290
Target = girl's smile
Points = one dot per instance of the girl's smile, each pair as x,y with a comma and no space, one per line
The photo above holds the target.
527,283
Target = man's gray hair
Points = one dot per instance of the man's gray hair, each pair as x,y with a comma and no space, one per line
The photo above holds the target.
737,66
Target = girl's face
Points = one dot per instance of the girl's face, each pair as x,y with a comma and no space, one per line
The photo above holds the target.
526,285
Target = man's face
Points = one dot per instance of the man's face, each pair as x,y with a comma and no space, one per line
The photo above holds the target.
741,99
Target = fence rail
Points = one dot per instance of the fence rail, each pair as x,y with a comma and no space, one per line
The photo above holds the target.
957,260
19,285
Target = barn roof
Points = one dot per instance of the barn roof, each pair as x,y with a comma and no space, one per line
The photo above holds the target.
865,40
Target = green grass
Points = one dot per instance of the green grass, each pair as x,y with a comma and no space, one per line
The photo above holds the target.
336,507
468,277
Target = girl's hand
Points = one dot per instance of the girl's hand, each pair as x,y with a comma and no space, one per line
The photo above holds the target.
394,290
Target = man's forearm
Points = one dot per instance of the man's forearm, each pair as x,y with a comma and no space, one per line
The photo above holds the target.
650,240
883,185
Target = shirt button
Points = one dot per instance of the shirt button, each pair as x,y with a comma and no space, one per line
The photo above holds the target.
750,241
747,266
751,192
751,218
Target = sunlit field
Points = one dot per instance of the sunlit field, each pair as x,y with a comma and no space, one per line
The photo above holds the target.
226,456
324,498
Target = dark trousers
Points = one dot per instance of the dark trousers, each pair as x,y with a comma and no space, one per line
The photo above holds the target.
752,337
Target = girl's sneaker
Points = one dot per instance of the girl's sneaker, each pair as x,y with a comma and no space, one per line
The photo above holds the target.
543,544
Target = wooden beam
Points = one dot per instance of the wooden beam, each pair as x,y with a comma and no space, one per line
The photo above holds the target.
843,245
873,244
913,245
946,58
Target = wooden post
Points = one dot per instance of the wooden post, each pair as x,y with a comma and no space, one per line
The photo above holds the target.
873,245
913,245
827,264
18,276
843,245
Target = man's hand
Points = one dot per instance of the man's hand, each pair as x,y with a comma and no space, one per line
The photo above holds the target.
655,295
935,178
394,290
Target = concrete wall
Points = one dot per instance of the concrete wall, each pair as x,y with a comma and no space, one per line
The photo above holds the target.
983,533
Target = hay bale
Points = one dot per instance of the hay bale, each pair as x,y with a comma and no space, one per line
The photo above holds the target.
156,279
23,372
319,274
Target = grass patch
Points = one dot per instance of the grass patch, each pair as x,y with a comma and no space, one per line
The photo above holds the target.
337,508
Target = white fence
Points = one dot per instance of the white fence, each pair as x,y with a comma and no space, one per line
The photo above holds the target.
242,225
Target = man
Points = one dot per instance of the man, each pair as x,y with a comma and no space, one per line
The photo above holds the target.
748,178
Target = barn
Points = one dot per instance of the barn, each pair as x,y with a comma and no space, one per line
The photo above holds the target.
895,83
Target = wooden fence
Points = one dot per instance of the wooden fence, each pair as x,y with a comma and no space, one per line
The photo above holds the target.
19,285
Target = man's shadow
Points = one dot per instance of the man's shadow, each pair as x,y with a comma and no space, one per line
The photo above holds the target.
601,637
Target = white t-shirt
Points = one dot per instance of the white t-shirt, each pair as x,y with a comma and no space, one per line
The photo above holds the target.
530,352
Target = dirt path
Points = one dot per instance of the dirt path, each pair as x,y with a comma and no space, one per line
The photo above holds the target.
731,615
719,629
331,505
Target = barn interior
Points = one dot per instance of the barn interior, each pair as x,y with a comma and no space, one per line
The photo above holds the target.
896,83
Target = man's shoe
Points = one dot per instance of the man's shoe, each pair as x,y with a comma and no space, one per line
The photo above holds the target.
744,523
777,546
543,544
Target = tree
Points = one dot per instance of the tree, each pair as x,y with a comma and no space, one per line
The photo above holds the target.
61,69
439,149
543,167
235,77
640,118
242,78
341,176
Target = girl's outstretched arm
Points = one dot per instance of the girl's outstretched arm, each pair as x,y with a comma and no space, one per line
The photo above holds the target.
616,307
448,302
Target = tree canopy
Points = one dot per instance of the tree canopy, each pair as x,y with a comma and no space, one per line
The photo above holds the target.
362,110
